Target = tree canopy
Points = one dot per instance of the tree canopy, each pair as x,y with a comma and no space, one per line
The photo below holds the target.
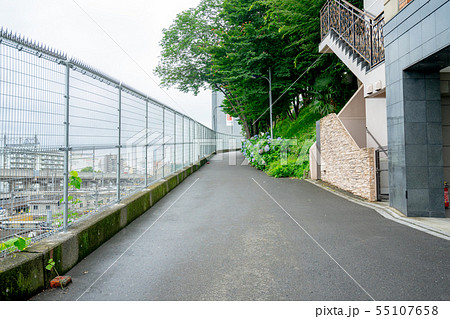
230,45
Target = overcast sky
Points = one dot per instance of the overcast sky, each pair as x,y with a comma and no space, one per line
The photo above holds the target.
136,25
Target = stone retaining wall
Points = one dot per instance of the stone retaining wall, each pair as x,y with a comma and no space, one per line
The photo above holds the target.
344,164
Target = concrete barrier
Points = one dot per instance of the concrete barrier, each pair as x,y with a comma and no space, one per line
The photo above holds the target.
24,275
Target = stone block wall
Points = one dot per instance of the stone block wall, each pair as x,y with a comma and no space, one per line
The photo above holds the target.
344,164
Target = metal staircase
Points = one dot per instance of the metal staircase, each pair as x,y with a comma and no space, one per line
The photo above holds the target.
357,33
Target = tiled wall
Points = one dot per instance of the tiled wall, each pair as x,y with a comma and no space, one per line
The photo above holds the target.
416,42
344,164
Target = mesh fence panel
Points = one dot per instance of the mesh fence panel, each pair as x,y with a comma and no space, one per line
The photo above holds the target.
63,121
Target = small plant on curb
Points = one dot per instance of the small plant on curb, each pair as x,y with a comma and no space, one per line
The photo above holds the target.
74,183
51,266
58,281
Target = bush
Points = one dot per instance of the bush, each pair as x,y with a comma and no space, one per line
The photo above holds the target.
290,169
277,157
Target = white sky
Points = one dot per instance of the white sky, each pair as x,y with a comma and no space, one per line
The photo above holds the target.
136,25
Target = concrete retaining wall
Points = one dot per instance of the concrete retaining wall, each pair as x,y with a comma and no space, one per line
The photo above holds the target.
24,274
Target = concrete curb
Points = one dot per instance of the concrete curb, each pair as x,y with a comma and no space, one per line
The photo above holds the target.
24,275
389,213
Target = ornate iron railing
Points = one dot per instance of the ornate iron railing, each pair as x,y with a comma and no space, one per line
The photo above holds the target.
360,30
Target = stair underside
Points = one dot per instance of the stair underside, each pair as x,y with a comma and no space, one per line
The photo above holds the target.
352,59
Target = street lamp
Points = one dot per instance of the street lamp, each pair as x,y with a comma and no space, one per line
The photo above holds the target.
269,79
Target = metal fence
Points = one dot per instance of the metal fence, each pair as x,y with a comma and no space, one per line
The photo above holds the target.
61,118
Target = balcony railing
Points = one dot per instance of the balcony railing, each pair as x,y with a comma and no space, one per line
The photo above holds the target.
360,30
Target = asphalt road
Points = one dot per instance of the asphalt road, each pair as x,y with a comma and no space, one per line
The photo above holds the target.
230,232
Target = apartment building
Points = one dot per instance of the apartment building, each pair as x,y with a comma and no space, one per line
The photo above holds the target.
391,137
417,45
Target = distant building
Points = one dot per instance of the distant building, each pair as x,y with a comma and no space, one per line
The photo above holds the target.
42,207
110,163
26,153
220,121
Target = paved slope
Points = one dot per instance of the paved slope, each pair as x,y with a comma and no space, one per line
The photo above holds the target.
230,232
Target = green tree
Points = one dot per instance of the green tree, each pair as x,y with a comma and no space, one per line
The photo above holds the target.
223,44
299,22
186,58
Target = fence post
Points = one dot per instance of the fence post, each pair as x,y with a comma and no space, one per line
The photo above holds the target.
163,142
215,141
174,141
182,129
146,143
329,23
66,152
120,142
371,43
354,29
339,27
189,142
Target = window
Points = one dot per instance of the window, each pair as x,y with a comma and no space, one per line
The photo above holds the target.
35,207
47,207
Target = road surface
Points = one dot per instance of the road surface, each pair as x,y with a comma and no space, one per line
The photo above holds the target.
230,232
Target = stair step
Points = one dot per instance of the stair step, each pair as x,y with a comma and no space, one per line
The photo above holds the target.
354,56
365,66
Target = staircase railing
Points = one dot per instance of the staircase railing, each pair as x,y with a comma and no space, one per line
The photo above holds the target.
360,30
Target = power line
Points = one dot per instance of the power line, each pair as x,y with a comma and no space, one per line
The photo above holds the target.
284,92
128,55
312,64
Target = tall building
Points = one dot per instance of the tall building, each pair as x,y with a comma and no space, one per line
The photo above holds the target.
110,163
417,42
349,144
400,52
222,122
27,154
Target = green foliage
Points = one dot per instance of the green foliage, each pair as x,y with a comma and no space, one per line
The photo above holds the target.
74,180
278,157
290,169
223,44
74,183
302,128
16,243
298,136
50,265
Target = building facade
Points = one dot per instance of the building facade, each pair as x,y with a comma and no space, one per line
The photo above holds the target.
406,99
417,44
221,122
352,143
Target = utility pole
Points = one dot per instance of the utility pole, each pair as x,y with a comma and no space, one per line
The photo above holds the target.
269,79
270,103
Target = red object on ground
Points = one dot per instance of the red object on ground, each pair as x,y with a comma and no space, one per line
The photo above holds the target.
446,195
60,280
207,162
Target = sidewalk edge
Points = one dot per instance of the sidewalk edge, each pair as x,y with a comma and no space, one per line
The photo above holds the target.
389,213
